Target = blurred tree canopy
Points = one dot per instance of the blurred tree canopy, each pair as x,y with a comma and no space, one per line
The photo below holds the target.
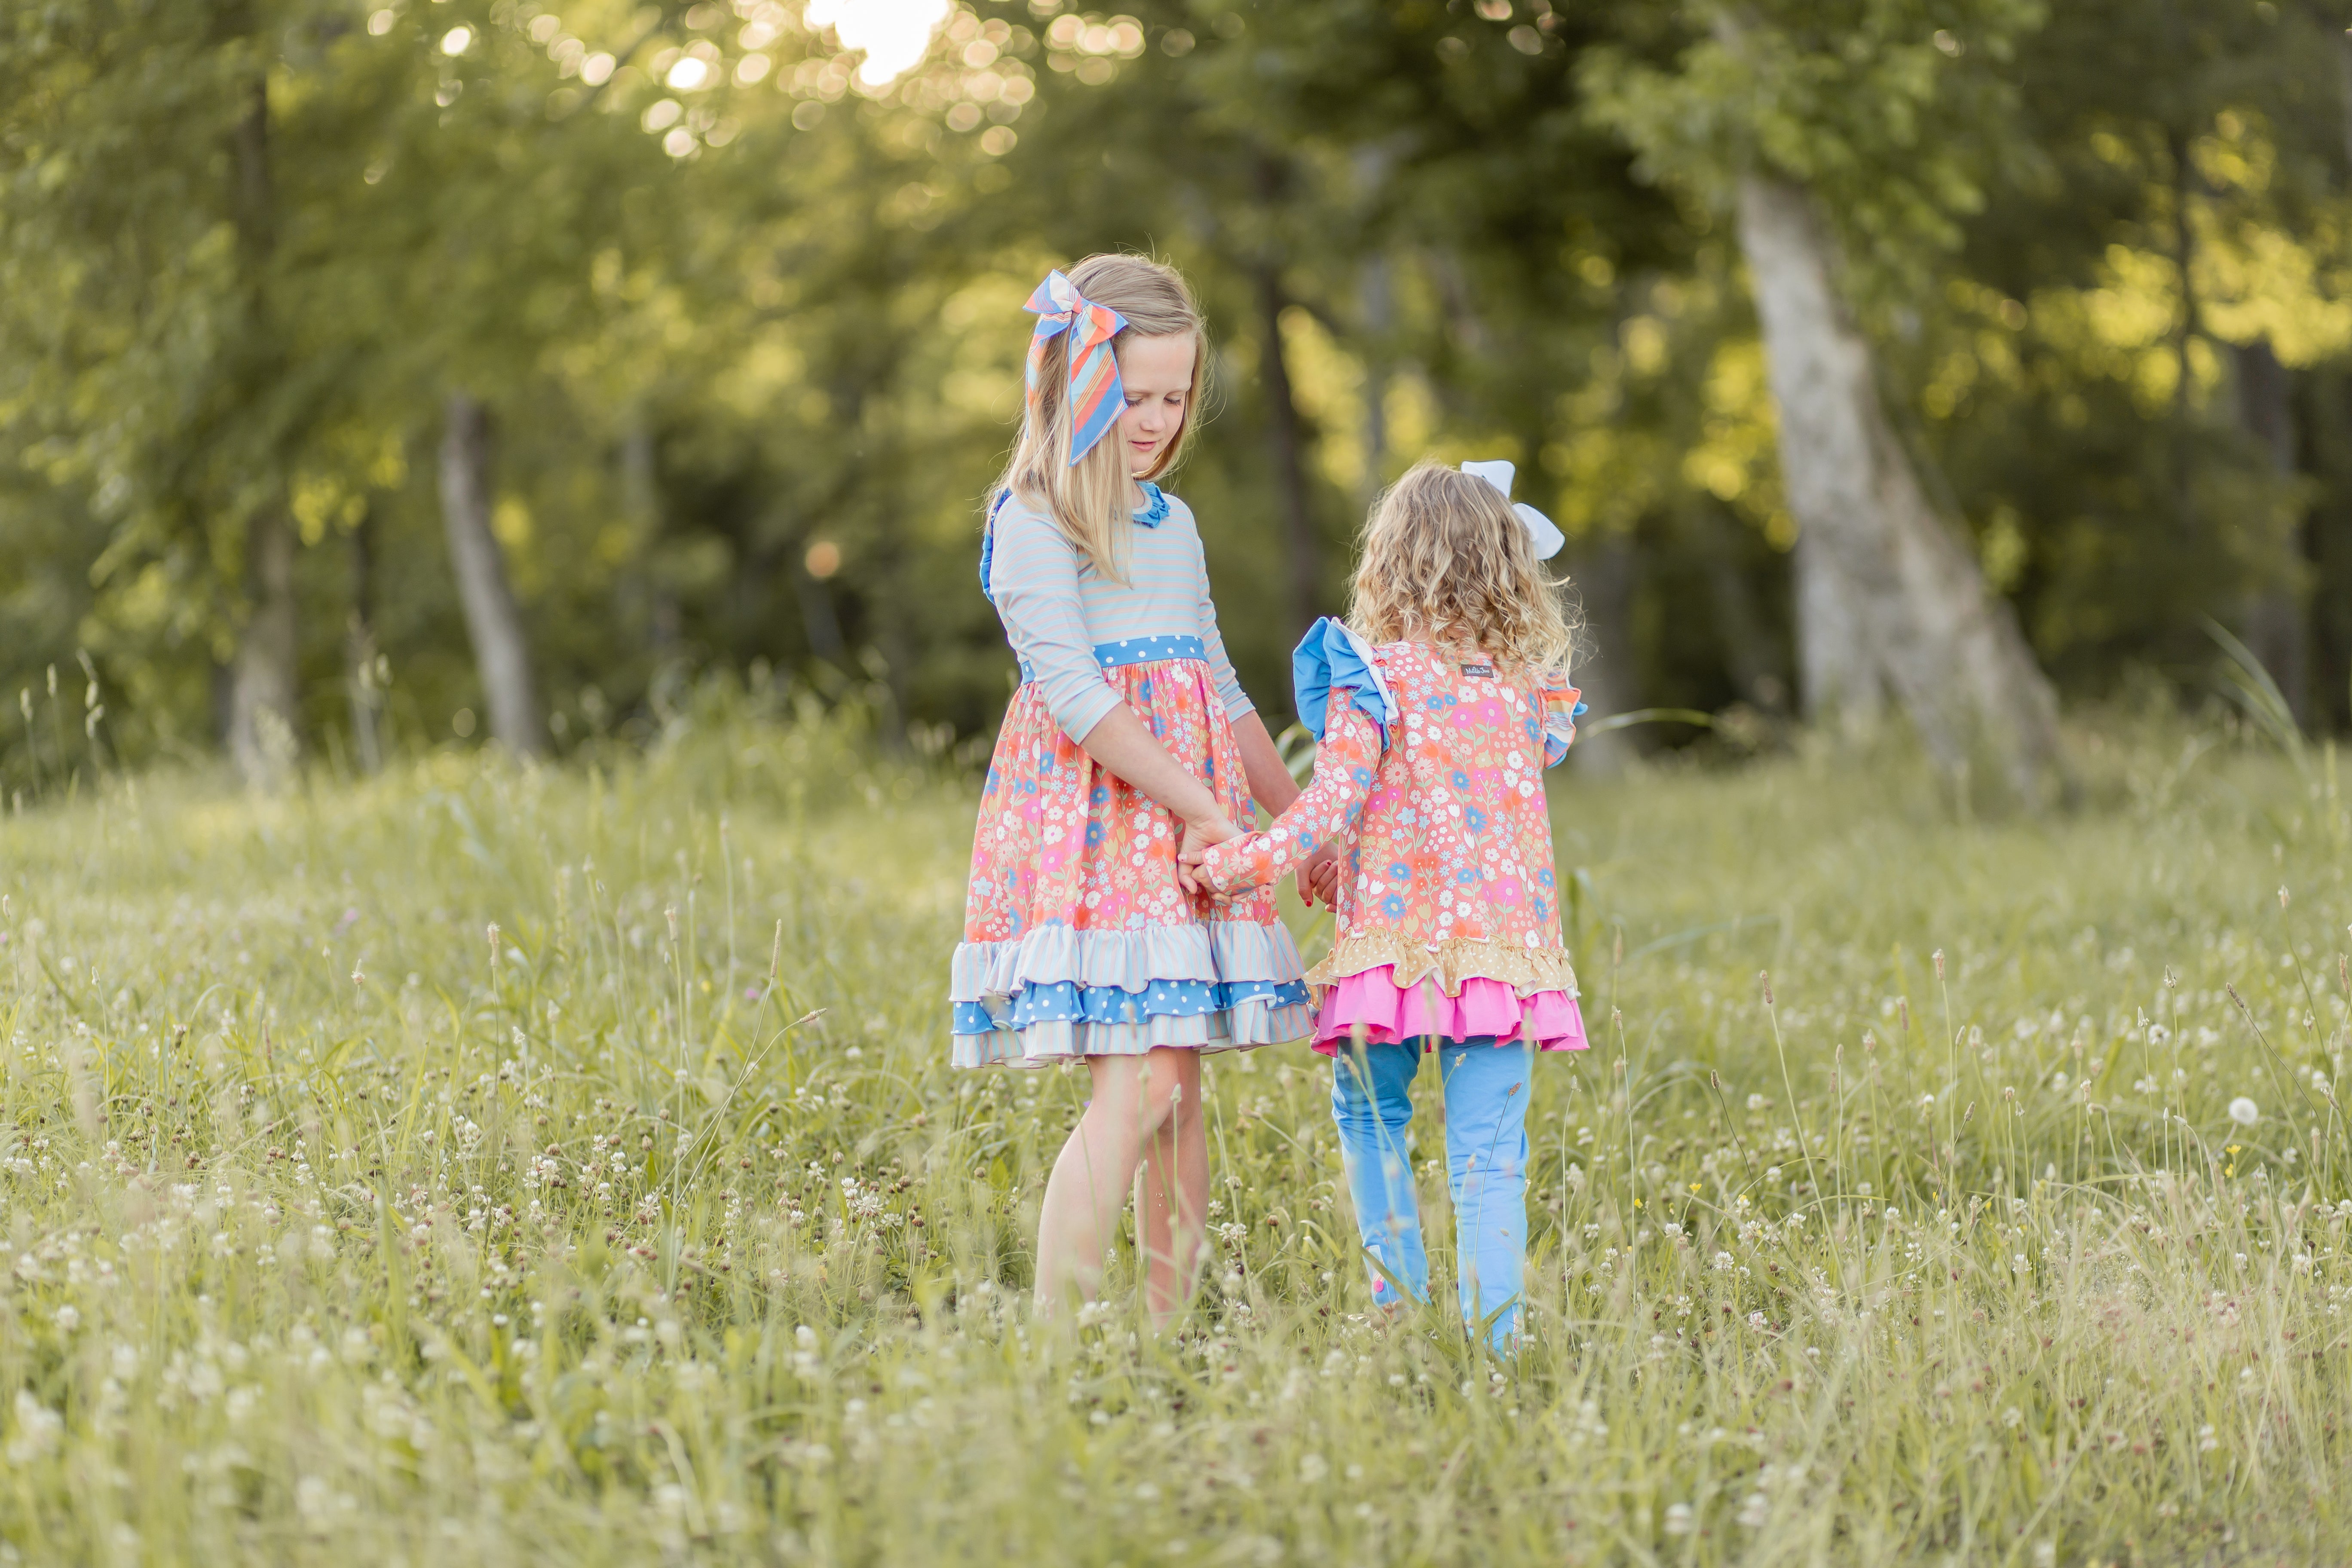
738,287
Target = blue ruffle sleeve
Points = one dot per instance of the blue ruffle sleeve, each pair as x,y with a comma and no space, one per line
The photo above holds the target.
1332,656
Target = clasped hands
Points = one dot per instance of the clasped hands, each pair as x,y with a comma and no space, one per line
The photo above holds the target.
1319,879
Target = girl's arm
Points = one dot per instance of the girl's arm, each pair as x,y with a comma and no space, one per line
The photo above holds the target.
1270,783
1123,744
1561,706
1329,808
1032,578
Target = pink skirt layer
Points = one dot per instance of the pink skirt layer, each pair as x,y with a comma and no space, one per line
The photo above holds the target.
1486,1007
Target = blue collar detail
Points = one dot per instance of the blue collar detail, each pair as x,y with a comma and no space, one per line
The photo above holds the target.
1154,511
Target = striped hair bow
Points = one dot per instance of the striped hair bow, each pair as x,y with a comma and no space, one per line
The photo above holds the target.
1097,397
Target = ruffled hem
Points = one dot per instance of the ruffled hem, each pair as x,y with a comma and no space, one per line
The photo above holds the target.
1060,992
1482,1009
1451,965
1246,1027
1064,1003
1214,951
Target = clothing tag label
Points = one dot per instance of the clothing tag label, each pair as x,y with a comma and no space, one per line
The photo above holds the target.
1480,671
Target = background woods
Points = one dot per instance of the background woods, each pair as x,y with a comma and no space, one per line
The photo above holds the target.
404,375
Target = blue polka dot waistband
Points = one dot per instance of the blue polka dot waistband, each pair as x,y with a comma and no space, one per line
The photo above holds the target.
1148,650
1137,651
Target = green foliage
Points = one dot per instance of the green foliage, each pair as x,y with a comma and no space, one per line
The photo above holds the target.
729,302
1890,110
485,1163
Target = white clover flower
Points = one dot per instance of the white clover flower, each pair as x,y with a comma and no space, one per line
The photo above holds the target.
39,1430
2244,1111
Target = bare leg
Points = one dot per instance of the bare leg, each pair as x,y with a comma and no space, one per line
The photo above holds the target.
1172,1201
1132,1097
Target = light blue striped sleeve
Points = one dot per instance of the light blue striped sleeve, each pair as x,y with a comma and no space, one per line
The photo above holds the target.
1033,576
1220,665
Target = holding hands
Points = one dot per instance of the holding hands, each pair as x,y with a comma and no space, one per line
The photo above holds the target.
1201,834
1319,879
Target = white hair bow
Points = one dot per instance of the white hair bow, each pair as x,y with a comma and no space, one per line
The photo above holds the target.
1546,537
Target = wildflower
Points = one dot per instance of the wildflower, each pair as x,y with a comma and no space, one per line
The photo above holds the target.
2244,1111
39,1430
1755,1511
1678,1518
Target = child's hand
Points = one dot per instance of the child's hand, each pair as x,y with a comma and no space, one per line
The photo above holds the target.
1199,837
1318,879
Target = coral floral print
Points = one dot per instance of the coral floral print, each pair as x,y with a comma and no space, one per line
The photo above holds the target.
1449,873
1062,840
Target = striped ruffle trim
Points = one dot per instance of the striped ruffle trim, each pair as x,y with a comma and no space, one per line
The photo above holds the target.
1058,993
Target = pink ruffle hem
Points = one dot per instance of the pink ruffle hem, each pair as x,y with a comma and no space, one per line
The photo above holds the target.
1486,1007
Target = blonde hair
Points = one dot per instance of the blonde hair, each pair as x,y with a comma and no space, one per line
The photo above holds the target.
1090,500
1446,561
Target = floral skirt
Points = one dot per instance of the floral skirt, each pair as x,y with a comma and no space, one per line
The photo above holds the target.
1078,940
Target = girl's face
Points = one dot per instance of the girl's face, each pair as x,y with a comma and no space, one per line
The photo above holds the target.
1157,374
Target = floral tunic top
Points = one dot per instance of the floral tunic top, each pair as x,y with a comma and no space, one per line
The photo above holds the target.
1430,767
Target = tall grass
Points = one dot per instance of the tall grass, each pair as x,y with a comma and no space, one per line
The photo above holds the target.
477,1164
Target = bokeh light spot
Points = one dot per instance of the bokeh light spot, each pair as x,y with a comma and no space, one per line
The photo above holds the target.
894,34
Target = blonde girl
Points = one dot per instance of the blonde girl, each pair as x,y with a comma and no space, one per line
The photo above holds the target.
1127,740
1437,705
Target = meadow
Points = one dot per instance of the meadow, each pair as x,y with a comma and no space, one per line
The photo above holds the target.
476,1164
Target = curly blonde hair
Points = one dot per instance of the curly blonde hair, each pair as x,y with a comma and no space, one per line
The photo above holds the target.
1446,561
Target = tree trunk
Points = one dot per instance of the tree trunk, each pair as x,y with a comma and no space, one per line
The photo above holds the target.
1306,556
262,740
1378,306
2184,331
1948,650
1838,678
2277,621
817,620
656,597
1750,655
1603,579
363,668
501,654
261,735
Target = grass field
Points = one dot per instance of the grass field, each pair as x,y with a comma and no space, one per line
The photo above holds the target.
480,1166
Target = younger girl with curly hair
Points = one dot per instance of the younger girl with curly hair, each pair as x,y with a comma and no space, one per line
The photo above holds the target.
1437,705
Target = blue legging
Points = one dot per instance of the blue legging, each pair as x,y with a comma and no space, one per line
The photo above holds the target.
1486,1156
